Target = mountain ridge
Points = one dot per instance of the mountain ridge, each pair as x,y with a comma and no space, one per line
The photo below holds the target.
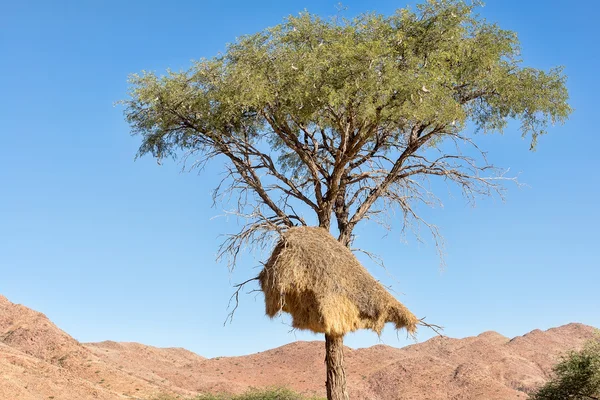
38,360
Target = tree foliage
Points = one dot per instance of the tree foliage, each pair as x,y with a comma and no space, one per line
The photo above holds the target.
576,376
339,120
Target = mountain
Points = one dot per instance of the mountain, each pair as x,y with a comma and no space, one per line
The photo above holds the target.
40,361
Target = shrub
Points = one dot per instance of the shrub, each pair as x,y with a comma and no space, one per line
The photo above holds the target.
252,394
576,376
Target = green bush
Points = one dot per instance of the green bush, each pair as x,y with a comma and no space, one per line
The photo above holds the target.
252,394
576,376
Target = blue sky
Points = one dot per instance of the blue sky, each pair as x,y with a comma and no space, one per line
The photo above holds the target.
109,248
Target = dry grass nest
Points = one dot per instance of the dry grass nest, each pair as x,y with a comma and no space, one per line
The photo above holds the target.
324,287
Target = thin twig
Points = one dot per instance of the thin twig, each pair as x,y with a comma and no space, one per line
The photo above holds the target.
236,296
436,328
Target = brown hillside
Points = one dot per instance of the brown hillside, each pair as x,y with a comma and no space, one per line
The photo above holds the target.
38,360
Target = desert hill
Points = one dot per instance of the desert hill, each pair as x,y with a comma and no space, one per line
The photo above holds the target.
40,361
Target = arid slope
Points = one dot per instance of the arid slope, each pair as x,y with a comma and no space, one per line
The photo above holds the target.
38,361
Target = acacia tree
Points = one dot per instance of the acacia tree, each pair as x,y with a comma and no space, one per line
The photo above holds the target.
331,122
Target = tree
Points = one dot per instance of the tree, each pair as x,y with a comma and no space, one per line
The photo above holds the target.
331,122
576,376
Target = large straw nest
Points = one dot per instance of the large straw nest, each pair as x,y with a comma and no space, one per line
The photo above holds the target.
324,287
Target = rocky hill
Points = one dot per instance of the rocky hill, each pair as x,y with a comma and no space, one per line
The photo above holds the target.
40,361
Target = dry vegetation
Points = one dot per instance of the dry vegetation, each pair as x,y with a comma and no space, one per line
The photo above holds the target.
252,394
323,286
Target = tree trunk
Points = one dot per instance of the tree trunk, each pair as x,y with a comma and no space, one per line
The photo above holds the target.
336,376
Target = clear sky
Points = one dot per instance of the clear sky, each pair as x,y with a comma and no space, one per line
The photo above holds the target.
112,248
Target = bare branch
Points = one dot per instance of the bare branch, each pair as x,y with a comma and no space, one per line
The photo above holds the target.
236,296
436,328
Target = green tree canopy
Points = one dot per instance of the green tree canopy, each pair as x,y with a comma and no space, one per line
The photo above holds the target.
576,376
339,114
